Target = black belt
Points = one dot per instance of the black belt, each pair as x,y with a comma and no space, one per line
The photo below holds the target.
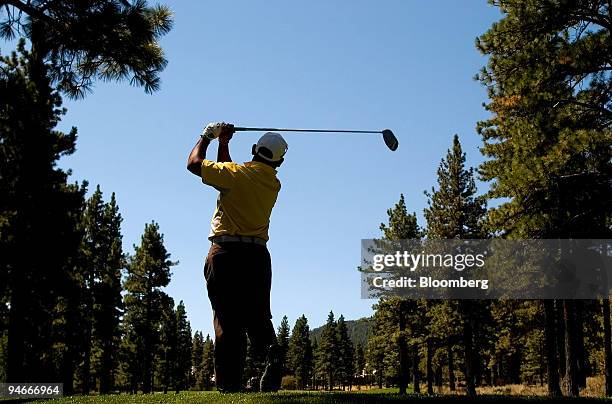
241,239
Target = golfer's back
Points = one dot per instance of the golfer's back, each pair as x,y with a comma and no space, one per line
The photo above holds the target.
247,195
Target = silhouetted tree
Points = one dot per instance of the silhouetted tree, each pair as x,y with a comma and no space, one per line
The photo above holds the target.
402,226
197,350
327,356
183,348
300,353
147,272
102,261
455,212
282,336
345,354
80,41
166,356
39,234
208,364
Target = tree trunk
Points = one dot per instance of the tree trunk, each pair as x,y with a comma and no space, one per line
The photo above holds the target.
487,377
607,348
468,342
86,369
550,336
73,343
451,366
408,374
415,369
541,366
581,361
15,346
560,332
68,371
571,354
403,351
429,367
438,377
470,387
147,363
106,366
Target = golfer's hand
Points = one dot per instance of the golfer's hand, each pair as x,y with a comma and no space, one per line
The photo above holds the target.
227,131
214,129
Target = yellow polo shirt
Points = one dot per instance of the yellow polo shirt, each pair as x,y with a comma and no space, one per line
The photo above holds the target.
247,194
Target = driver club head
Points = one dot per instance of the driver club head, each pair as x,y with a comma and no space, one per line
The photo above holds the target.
390,139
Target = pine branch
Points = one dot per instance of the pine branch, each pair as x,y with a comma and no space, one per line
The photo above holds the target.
33,12
603,110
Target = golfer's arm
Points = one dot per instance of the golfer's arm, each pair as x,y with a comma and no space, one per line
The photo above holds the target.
223,154
197,156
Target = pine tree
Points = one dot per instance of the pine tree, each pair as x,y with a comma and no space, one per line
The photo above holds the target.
327,357
166,356
455,212
92,264
208,364
444,325
197,352
71,44
39,234
148,272
360,361
282,336
346,355
402,226
108,306
86,40
417,336
382,355
547,142
102,260
315,376
300,352
375,354
130,366
183,349
359,365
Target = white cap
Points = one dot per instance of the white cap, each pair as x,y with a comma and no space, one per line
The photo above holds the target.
275,143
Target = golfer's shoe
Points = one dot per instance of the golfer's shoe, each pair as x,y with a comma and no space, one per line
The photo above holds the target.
271,379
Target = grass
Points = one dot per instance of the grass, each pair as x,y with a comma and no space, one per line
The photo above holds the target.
293,397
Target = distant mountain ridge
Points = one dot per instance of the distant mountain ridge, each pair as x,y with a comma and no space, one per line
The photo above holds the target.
358,330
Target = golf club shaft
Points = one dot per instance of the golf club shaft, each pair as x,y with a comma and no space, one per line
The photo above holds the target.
240,129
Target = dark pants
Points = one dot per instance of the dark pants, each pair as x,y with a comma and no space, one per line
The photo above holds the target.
238,279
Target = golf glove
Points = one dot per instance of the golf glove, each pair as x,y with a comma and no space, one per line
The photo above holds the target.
213,130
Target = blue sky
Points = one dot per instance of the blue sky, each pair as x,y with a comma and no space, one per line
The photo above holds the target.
403,65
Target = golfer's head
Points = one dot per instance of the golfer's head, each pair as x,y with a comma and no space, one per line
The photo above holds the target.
270,149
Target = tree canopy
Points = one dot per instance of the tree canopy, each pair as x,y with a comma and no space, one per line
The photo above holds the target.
84,40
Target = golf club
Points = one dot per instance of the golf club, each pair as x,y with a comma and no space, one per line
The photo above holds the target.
388,136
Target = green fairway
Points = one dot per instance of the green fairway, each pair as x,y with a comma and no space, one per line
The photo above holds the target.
288,397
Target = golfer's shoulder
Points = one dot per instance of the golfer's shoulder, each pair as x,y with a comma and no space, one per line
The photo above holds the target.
225,166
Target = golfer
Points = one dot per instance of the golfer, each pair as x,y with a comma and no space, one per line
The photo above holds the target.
238,271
